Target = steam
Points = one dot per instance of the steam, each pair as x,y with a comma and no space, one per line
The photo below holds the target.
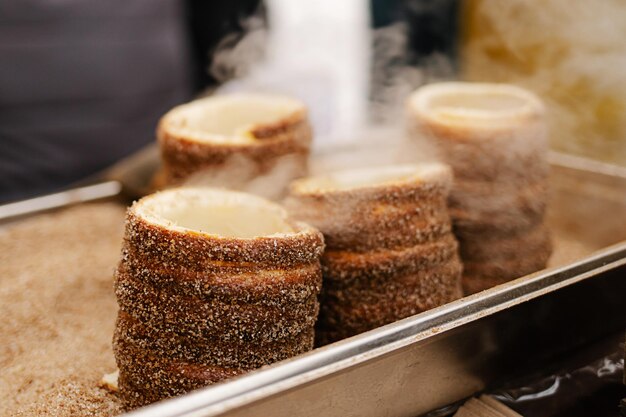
235,56
360,125
368,131
308,66
394,78
570,53
241,173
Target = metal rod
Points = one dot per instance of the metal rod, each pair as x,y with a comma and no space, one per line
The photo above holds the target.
61,199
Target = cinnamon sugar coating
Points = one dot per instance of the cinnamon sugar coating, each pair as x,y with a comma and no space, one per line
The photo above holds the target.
280,144
500,191
498,247
497,209
390,251
348,266
368,217
506,154
207,317
385,302
303,282
526,259
182,157
145,378
188,347
196,251
196,308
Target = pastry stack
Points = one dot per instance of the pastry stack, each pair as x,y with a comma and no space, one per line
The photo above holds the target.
390,252
494,137
211,284
235,141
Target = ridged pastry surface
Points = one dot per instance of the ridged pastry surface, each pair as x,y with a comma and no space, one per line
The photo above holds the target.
201,301
231,140
494,138
390,249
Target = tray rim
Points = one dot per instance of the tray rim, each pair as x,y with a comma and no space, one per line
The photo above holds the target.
323,362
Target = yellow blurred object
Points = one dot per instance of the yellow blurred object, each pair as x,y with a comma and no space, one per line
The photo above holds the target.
570,52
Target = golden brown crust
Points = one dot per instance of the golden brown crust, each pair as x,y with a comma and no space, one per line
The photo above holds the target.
481,277
482,143
160,245
196,308
479,209
361,225
348,266
494,248
391,193
145,378
386,236
390,251
207,317
487,198
284,126
356,309
209,351
230,282
498,155
506,270
184,156
499,260
366,287
374,217
501,155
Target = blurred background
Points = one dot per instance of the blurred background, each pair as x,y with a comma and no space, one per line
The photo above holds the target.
83,83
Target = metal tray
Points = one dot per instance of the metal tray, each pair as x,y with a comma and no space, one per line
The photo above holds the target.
444,355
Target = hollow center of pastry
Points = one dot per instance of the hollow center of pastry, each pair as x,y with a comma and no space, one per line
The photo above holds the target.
232,118
455,103
228,221
370,177
475,103
214,212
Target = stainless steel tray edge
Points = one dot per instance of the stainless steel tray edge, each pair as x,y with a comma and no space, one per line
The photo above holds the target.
336,380
291,374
